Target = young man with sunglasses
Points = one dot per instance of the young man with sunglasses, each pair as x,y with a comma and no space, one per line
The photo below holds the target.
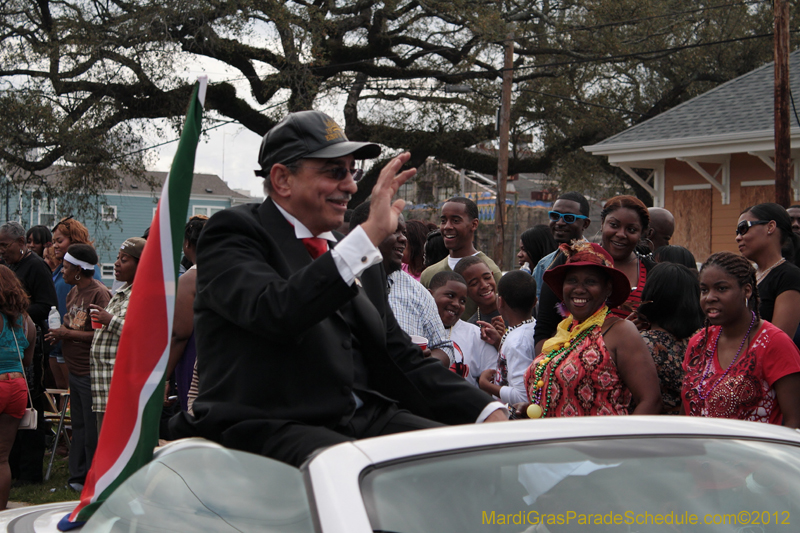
569,218
297,348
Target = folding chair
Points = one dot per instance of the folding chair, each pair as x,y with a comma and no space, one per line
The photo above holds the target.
62,422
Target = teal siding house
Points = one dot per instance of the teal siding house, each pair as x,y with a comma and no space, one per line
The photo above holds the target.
126,211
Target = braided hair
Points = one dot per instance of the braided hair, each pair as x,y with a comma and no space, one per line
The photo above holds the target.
193,229
738,267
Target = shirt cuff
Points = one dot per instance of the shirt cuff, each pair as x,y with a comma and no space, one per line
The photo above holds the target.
354,254
509,395
447,347
489,409
115,324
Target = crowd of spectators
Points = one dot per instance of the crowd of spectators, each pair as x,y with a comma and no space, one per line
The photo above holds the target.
289,336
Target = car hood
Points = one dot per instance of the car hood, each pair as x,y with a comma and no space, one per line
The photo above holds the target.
35,518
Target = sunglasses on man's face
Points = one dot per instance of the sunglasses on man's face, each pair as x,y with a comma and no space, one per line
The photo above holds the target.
745,225
338,173
569,218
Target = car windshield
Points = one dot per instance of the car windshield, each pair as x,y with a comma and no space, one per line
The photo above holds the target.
610,484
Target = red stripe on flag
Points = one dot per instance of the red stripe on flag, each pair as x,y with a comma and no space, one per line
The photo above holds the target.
147,337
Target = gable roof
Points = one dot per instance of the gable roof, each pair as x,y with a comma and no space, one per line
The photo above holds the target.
739,109
202,184
209,184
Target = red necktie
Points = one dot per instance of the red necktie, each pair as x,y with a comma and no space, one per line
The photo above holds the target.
315,246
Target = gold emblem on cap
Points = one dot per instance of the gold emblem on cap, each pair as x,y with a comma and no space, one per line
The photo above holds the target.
333,131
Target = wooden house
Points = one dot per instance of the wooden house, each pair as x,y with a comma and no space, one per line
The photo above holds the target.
710,158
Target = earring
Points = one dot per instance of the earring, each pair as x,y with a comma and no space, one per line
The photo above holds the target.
77,277
746,302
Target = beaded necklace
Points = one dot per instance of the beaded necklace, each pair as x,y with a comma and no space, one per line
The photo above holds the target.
512,328
763,274
535,410
710,363
479,315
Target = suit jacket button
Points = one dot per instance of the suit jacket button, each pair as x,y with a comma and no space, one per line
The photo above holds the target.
346,345
346,390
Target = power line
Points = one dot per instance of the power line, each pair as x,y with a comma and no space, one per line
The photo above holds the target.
558,63
653,17
557,32
204,130
581,101
151,147
607,59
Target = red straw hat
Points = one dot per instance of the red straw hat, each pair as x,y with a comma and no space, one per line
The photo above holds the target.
582,253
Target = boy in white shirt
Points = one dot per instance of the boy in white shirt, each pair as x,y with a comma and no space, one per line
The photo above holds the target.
473,355
516,297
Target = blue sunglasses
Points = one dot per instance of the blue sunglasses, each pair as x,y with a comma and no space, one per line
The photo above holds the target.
569,218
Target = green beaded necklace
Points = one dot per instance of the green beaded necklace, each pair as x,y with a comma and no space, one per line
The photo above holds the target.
535,410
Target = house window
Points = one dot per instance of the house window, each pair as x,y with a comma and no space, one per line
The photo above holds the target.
206,210
445,193
406,192
107,270
47,212
109,213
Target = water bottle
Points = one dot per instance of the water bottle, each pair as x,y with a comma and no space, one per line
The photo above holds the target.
53,318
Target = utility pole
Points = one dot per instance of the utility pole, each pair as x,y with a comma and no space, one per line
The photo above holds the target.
782,128
502,154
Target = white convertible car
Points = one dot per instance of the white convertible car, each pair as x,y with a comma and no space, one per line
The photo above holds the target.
621,474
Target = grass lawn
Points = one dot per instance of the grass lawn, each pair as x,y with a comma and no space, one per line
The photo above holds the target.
54,490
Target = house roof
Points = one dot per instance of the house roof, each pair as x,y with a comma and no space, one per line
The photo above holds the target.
201,184
740,110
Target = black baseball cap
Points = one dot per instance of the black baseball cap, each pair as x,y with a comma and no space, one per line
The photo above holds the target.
311,134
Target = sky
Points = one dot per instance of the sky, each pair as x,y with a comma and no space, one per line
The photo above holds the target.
230,152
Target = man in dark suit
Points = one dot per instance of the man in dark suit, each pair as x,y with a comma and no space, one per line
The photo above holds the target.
297,346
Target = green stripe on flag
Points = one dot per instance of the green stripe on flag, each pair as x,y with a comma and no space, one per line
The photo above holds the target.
131,425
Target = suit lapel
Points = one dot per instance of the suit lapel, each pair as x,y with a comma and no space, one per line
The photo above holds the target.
293,250
279,228
370,306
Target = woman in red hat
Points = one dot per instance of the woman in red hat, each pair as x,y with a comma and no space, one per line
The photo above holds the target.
596,363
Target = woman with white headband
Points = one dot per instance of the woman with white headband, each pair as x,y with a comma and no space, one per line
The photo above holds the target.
75,335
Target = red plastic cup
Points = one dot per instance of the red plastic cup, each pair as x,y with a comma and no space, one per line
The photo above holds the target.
96,324
422,342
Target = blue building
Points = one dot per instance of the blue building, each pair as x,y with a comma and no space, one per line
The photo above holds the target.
124,212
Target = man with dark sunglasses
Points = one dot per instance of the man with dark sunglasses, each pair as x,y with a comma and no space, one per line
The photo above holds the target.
297,347
569,218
